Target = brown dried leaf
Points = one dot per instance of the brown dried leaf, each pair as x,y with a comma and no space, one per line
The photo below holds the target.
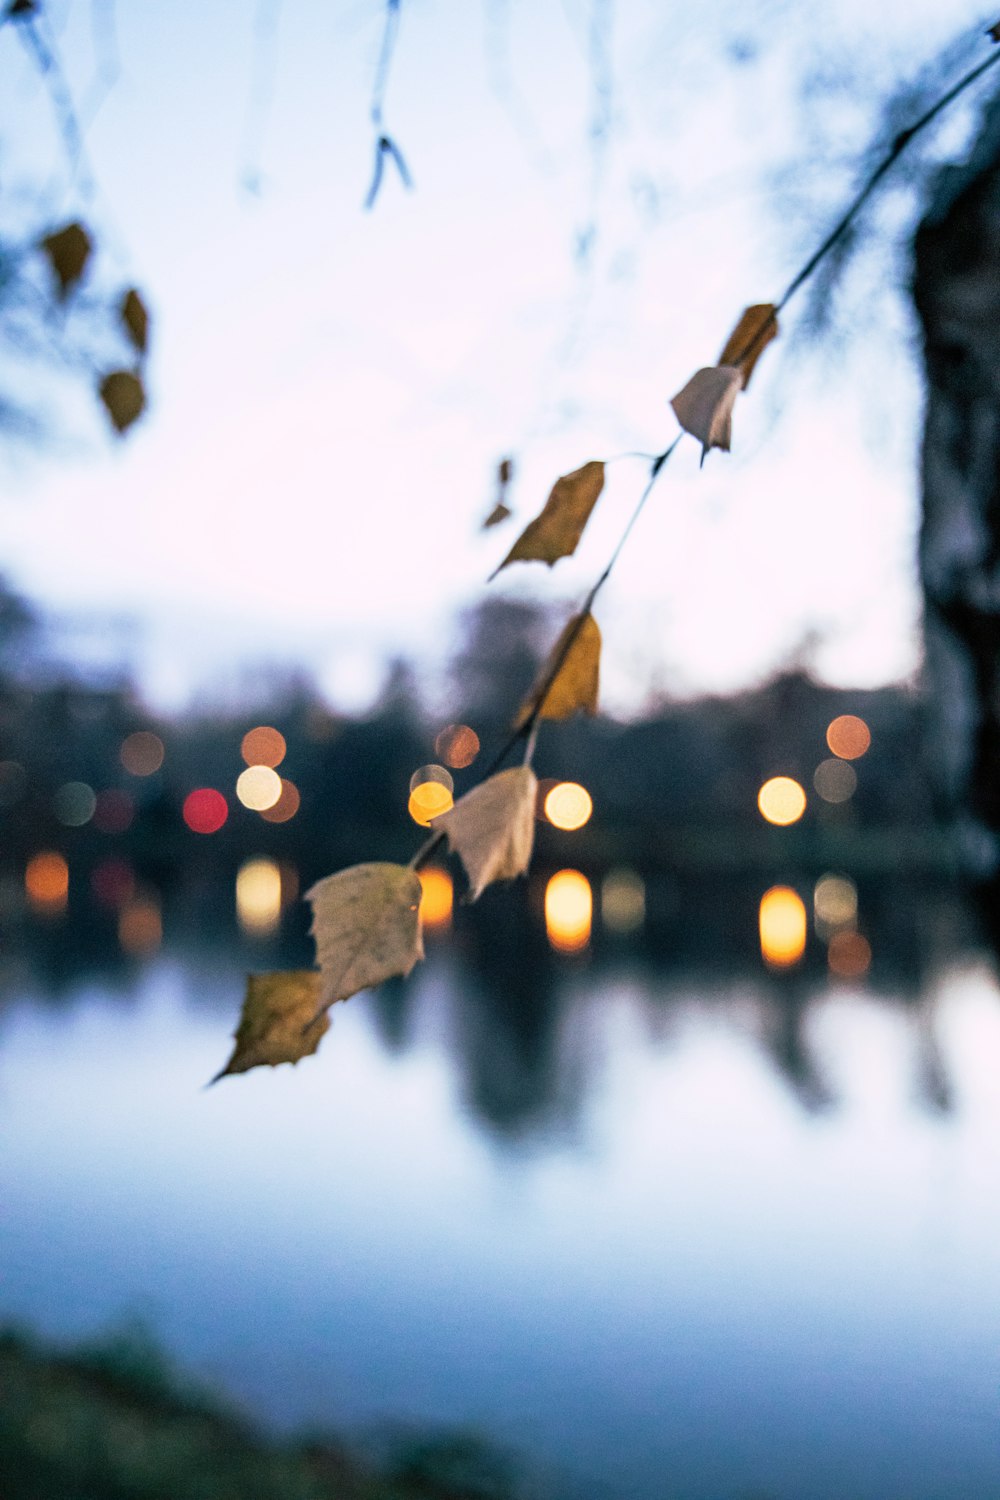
278,1023
492,827
68,250
366,926
124,397
499,513
555,532
705,406
751,336
576,683
136,319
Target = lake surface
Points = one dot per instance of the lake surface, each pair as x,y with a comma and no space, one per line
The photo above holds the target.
706,1238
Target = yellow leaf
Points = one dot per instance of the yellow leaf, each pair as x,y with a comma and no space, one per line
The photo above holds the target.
751,336
492,827
124,397
499,513
366,926
68,250
705,406
576,681
278,1022
136,319
557,530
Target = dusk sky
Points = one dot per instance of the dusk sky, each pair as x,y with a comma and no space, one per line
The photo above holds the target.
331,389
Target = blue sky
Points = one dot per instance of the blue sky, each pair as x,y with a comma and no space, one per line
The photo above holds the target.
331,389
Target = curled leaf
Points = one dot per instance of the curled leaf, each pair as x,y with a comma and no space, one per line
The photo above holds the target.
366,926
68,250
555,532
135,318
751,336
278,1023
492,827
705,406
576,682
124,398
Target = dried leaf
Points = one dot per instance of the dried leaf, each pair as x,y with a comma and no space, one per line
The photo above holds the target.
499,513
492,827
994,33
705,406
575,685
68,250
557,530
124,397
136,319
366,926
22,8
278,1023
751,336
505,472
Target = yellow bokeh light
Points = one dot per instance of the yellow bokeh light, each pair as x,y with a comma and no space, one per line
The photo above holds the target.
781,801
849,955
782,920
263,746
569,906
140,926
46,882
258,897
848,736
258,787
835,780
141,753
437,897
568,806
835,903
623,901
427,801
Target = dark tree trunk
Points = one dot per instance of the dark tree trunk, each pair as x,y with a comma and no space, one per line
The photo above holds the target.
957,293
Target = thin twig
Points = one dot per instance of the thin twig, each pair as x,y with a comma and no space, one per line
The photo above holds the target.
384,143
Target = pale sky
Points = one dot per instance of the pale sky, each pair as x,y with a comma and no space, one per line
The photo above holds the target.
331,389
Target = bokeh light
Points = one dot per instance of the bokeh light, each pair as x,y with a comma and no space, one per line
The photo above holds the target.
781,801
569,907
542,790
259,896
74,803
623,901
432,773
458,746
142,753
46,882
286,806
258,788
13,782
835,903
849,955
427,801
112,882
782,922
140,926
835,780
437,897
205,810
291,884
848,736
263,746
568,806
114,811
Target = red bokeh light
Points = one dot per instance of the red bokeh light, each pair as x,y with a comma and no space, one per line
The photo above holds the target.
205,810
112,882
113,811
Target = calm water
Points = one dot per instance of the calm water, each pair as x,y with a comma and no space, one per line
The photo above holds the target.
667,1237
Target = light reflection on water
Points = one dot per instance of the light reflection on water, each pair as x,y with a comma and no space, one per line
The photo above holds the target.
687,1276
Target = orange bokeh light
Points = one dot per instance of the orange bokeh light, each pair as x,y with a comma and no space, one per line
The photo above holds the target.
427,801
287,805
142,753
783,926
848,736
437,898
263,746
569,907
46,881
140,926
849,955
568,805
458,746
